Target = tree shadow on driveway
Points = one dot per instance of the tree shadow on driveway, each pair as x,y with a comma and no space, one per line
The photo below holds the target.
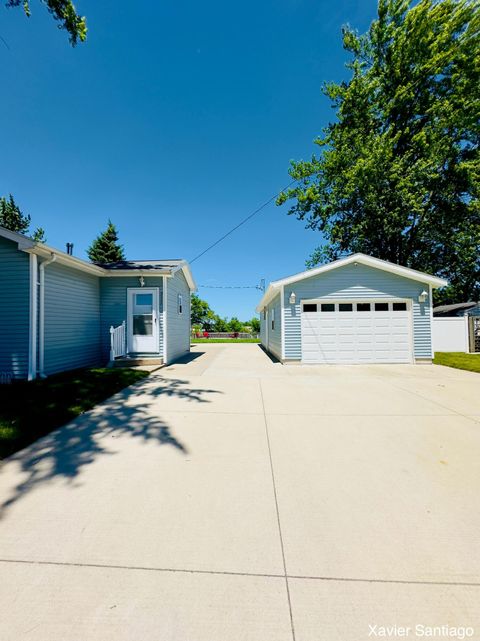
65,452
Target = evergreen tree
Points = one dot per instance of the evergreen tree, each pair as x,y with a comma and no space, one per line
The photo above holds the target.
12,218
105,248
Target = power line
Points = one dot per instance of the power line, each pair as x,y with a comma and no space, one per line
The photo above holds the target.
242,222
232,286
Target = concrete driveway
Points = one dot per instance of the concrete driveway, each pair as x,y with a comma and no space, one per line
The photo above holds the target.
230,498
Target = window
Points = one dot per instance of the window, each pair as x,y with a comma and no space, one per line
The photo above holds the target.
264,313
273,318
363,307
180,304
327,307
381,307
142,300
310,307
345,307
399,307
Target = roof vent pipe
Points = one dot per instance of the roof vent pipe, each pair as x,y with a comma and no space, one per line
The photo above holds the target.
70,249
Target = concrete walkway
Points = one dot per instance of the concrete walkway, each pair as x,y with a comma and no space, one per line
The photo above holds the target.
231,498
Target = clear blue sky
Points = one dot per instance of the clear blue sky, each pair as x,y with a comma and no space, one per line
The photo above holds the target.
176,120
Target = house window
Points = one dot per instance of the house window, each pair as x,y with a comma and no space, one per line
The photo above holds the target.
345,307
327,307
264,313
363,307
399,307
381,307
273,319
180,304
310,307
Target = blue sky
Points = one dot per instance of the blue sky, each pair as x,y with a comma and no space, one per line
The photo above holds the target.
175,120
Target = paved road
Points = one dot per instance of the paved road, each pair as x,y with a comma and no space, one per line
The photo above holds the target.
230,498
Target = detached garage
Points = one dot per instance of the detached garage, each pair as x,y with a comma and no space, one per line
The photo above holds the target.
357,309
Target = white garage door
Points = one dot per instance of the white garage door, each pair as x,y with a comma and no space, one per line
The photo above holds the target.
356,332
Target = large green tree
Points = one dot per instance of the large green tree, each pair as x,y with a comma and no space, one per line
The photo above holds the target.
398,172
200,312
64,12
12,218
106,248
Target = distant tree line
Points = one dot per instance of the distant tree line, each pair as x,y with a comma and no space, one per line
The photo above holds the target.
204,318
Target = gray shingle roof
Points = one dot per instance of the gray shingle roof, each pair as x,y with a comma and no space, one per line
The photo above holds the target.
142,264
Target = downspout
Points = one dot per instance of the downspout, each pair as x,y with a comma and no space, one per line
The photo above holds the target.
33,319
41,316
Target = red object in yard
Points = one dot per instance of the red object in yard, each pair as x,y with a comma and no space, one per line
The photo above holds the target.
205,334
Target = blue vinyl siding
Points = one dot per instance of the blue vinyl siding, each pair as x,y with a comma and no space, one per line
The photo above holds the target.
14,309
113,302
72,319
357,282
178,325
272,338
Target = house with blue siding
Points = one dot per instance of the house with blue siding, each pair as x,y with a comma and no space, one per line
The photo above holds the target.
58,312
358,309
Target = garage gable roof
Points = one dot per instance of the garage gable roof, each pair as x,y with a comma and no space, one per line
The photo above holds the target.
362,259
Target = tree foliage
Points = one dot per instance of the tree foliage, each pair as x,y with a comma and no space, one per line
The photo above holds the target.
106,248
12,218
64,12
203,317
398,173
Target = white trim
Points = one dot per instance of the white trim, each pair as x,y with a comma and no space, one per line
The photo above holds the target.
266,327
32,319
164,296
41,314
282,320
156,330
185,267
369,261
430,300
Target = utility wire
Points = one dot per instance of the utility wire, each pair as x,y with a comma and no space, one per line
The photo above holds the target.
242,222
232,286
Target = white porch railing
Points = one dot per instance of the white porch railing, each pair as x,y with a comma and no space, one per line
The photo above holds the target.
118,341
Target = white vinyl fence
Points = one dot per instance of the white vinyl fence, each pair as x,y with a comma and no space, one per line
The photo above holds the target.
450,334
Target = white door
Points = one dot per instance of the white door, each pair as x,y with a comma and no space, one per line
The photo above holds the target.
356,332
143,320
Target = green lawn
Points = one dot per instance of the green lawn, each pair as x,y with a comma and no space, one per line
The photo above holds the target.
225,340
460,360
29,410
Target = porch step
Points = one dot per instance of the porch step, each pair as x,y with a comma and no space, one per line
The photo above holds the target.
135,361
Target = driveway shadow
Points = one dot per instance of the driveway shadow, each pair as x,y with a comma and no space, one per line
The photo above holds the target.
66,451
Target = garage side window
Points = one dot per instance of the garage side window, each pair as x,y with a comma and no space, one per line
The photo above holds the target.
309,307
273,318
180,304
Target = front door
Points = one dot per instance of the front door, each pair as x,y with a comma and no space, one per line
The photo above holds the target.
143,320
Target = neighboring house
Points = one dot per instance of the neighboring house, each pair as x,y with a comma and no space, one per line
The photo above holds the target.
357,309
457,309
56,311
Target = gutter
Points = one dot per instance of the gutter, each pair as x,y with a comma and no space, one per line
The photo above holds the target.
41,318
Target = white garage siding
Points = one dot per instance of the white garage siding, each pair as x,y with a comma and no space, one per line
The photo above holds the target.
357,282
